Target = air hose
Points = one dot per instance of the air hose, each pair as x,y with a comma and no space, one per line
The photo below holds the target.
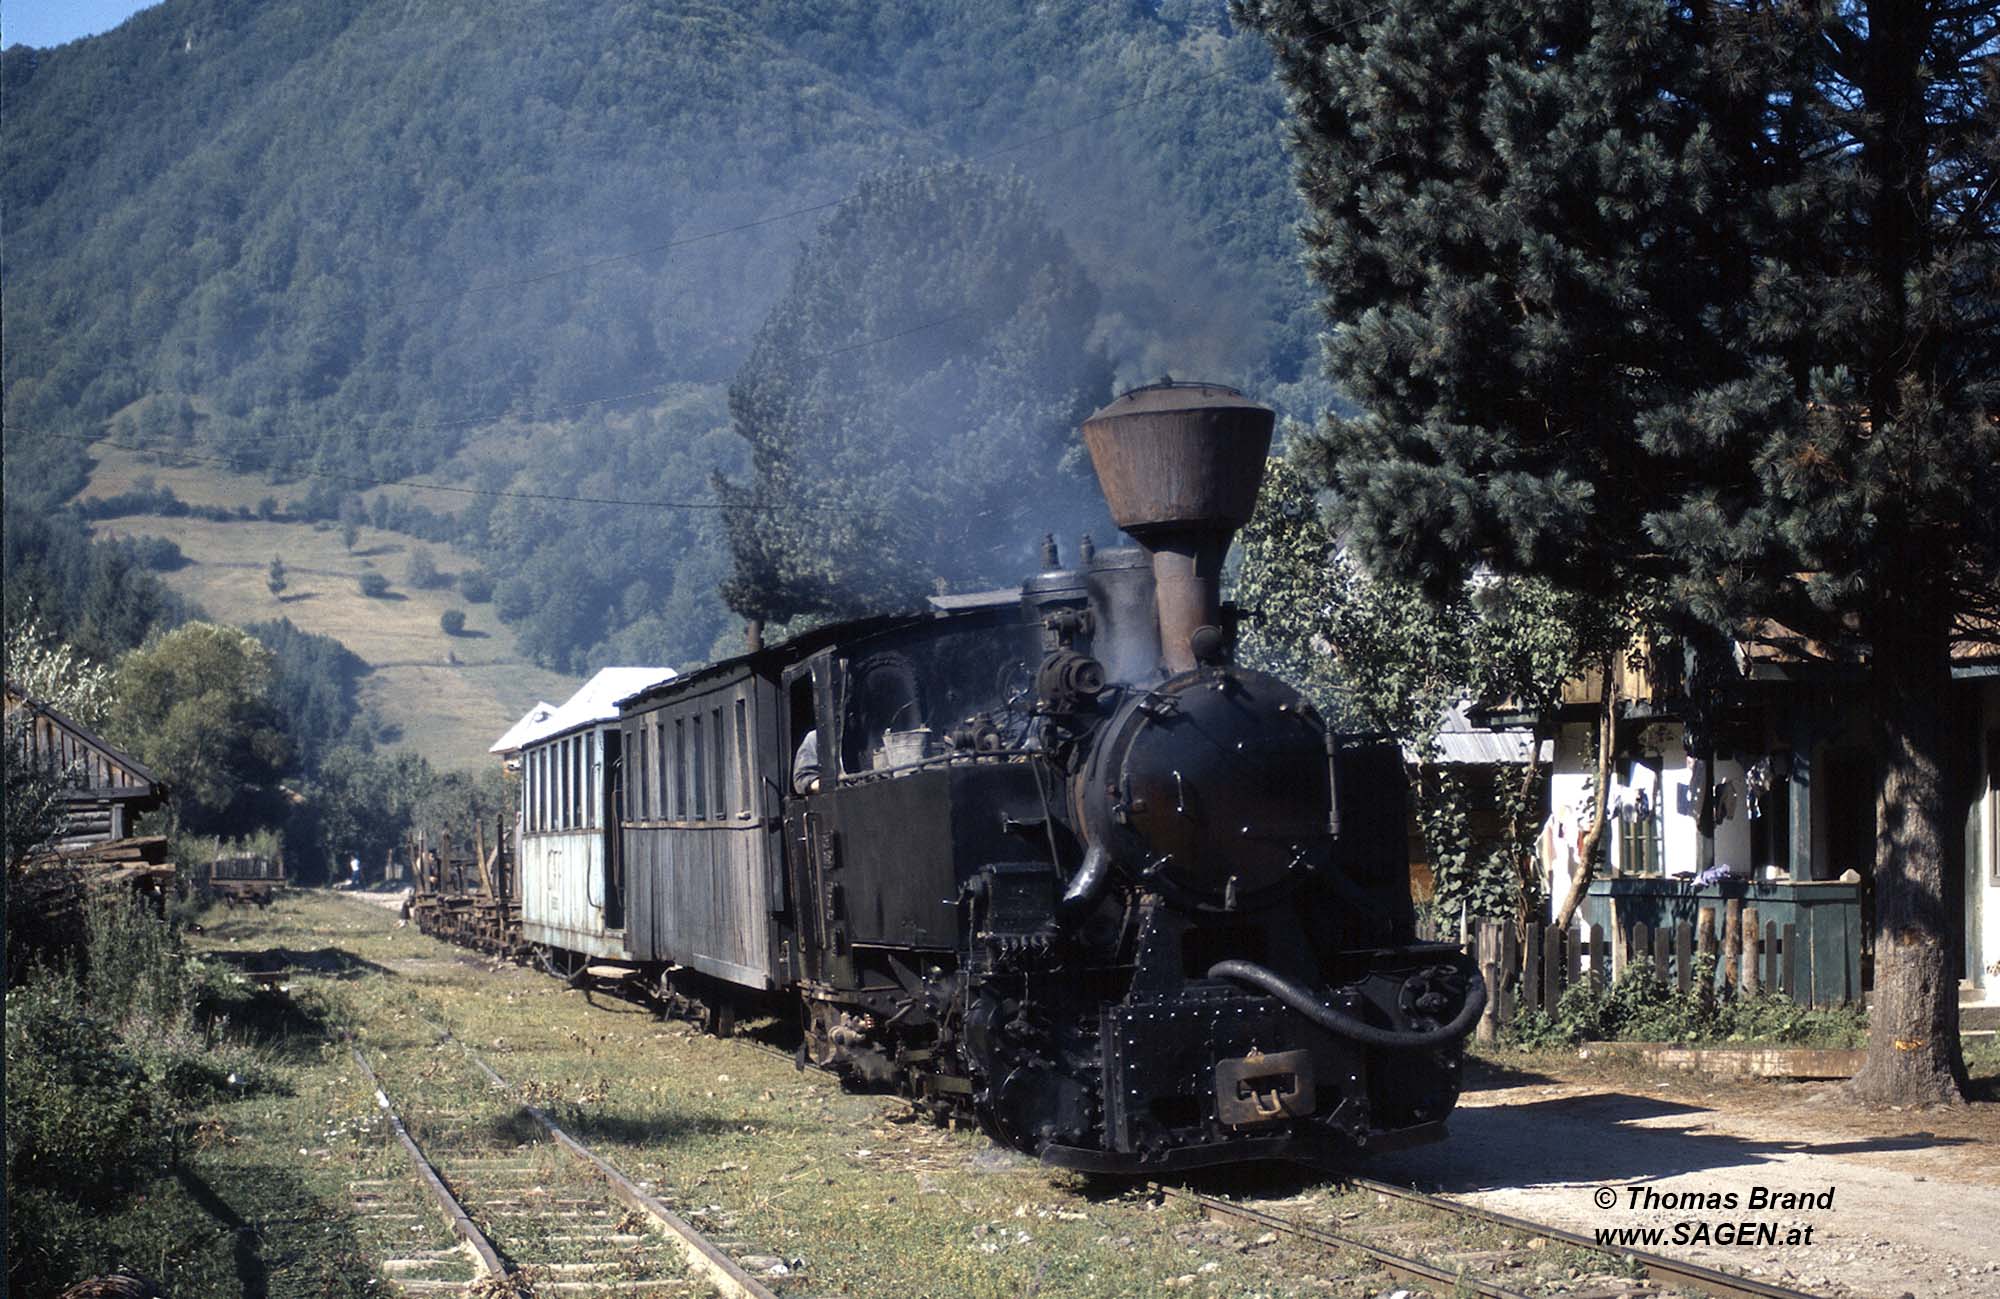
1341,1023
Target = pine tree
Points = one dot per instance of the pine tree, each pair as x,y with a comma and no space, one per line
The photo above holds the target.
275,578
1701,292
911,402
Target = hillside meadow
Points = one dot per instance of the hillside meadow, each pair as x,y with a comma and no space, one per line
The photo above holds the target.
451,696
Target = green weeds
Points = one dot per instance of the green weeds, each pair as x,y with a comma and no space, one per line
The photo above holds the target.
1639,1007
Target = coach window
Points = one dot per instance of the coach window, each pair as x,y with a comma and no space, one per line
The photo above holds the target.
719,805
527,791
698,779
743,756
660,765
640,796
680,769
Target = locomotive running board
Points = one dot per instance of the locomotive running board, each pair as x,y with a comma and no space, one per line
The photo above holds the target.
1312,1148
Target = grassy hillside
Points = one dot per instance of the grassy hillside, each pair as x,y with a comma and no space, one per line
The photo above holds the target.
358,239
450,696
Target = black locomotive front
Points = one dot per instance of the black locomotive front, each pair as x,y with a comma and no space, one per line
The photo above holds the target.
1227,973
1075,870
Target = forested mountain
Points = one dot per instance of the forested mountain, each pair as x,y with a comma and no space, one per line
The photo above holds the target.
525,249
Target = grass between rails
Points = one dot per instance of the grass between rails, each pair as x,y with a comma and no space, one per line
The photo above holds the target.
782,1164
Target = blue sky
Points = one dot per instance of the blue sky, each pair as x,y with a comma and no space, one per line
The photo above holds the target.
51,22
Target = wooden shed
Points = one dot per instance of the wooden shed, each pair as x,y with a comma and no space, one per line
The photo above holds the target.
107,788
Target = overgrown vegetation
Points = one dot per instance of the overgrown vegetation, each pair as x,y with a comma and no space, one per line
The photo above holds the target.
1640,1007
116,1058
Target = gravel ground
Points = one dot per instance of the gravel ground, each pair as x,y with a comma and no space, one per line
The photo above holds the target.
1915,1195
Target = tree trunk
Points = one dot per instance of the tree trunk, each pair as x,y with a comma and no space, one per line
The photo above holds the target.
1914,1055
1586,848
1526,869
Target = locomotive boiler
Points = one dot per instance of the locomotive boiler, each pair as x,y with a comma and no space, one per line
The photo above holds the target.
1059,861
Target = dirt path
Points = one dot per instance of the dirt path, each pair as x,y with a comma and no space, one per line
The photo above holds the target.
1914,1209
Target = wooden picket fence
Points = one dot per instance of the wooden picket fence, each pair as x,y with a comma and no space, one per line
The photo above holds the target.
1748,957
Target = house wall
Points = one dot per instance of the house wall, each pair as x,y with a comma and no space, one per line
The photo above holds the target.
1663,776
1982,853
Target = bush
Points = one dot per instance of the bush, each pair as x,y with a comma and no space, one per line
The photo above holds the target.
79,1119
1641,1008
158,554
422,572
374,585
475,586
453,622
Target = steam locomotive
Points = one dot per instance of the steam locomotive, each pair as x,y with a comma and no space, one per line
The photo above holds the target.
1047,856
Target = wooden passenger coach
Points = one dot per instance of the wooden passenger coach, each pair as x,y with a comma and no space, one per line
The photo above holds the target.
571,883
700,852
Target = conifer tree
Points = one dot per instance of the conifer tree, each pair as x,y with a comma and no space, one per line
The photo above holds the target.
912,402
1697,291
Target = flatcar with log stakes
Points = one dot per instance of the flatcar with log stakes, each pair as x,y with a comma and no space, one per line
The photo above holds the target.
1046,856
245,878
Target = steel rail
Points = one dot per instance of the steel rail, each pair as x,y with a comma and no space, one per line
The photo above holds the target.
1409,1269
723,1272
461,1224
1658,1267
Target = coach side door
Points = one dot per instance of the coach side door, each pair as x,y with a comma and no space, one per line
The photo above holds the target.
812,839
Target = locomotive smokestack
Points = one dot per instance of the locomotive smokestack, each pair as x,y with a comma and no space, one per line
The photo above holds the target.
1180,465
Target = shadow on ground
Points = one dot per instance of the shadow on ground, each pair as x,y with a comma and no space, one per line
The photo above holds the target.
326,962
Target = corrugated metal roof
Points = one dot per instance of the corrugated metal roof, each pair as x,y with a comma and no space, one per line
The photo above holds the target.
596,701
1461,743
530,720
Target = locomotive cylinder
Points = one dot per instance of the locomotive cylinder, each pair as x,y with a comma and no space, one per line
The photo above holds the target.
1180,465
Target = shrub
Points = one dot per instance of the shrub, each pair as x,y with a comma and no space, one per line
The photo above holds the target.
79,1118
1641,1008
374,585
158,554
475,586
422,572
453,622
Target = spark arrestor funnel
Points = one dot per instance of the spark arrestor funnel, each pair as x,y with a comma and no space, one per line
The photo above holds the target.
1180,465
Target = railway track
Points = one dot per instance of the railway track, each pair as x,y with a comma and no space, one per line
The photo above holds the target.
1646,1274
529,1227
1471,1272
